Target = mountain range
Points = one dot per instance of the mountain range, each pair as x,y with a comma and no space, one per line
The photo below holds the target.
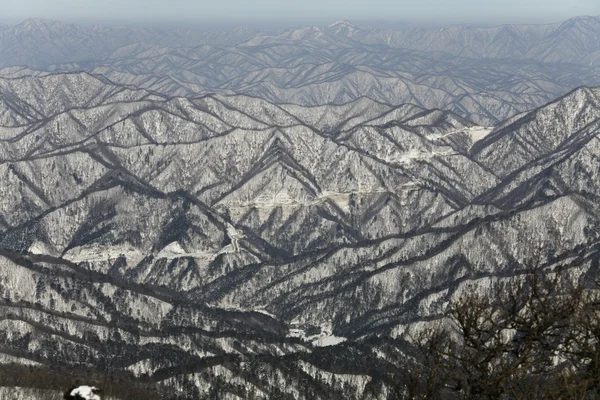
483,74
221,245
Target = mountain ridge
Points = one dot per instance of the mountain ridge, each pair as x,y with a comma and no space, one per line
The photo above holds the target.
179,241
313,65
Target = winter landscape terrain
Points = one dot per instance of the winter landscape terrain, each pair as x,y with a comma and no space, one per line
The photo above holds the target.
483,74
267,215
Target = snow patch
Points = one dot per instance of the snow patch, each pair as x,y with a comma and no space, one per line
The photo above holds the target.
174,250
265,312
95,253
329,340
478,132
40,248
296,333
86,392
323,339
414,155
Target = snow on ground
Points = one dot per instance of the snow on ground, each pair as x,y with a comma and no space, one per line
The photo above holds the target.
86,392
297,333
328,340
266,313
233,307
415,154
268,202
323,339
38,247
351,382
97,253
174,250
141,367
20,393
7,359
478,132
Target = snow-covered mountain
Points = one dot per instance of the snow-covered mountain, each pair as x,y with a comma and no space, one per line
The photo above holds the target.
483,74
223,245
40,42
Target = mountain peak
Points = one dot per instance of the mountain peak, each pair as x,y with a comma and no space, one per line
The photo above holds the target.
341,23
39,24
580,22
346,26
570,104
576,99
36,21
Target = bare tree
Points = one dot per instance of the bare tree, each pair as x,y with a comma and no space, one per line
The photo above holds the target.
529,337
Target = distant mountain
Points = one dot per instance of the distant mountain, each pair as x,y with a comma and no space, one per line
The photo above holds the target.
575,40
39,42
483,74
225,245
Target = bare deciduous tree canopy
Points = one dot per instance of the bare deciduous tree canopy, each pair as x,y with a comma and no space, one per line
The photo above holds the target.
528,338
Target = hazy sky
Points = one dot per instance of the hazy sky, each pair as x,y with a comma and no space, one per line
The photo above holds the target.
307,11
